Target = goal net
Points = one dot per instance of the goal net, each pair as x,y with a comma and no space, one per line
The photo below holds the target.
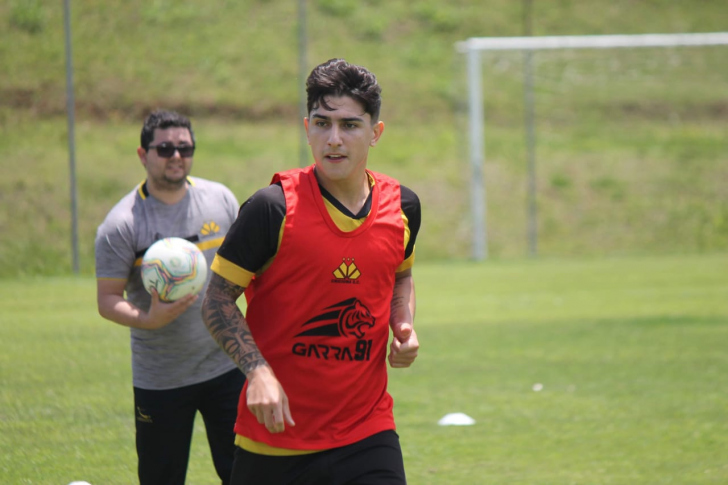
591,145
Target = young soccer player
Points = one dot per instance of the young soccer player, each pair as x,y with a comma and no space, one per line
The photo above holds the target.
324,256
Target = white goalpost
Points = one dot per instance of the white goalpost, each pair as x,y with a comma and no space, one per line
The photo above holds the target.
472,49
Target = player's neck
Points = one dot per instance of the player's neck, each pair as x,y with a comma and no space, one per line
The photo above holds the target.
169,194
352,194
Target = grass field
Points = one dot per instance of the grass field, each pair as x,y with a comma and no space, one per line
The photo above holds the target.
630,353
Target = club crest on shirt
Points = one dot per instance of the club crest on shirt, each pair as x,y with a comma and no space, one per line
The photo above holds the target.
210,227
347,272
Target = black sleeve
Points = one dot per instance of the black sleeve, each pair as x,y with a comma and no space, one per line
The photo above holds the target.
253,237
412,209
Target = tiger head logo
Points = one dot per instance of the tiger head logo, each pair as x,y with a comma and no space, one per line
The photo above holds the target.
355,319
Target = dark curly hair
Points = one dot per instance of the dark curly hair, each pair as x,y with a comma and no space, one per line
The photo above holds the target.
336,77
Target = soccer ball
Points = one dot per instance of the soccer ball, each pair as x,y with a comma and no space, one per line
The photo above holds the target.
175,267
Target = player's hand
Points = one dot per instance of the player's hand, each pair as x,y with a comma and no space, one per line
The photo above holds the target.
404,347
267,400
162,313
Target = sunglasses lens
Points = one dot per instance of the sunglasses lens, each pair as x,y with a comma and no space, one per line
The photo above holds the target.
186,151
165,150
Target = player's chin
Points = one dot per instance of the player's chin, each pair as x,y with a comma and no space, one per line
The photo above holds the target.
176,180
335,165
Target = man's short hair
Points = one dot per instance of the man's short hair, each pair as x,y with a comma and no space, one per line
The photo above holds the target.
163,119
336,77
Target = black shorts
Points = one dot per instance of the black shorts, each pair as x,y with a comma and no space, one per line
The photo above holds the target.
376,460
165,421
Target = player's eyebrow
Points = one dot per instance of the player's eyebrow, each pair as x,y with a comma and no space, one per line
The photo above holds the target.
328,118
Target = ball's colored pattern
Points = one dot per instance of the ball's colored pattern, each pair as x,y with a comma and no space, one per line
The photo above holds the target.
175,267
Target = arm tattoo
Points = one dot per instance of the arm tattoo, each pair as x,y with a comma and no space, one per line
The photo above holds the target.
397,297
399,300
402,305
228,326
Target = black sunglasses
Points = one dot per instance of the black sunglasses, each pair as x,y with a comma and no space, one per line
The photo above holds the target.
166,150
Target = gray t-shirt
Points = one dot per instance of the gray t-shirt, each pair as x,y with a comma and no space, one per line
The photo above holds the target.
182,353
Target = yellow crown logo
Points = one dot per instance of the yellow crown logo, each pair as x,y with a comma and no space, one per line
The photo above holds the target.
347,270
210,228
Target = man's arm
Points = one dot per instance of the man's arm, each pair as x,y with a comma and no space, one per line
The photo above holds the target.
265,396
113,306
404,346
228,326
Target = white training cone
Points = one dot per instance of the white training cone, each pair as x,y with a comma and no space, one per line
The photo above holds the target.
456,419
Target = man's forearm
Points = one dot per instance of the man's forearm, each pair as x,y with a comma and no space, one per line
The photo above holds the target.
403,300
228,326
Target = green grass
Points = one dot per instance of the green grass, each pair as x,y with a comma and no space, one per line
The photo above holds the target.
630,353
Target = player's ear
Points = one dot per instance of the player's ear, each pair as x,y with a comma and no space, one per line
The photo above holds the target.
378,130
142,154
305,125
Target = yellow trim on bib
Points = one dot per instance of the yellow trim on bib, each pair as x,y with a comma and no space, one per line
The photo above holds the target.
263,449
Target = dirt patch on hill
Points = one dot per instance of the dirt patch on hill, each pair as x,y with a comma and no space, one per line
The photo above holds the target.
45,102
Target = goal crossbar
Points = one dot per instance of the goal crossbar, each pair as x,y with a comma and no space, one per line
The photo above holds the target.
472,48
592,41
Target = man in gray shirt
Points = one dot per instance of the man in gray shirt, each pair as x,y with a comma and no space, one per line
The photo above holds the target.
177,368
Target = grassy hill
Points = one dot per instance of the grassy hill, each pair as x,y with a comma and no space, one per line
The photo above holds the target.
631,146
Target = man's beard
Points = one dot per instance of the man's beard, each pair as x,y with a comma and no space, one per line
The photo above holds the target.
166,183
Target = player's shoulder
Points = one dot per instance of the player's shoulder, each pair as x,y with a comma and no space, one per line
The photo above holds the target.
269,198
410,206
121,216
408,196
409,199
124,208
406,192
200,183
212,191
207,185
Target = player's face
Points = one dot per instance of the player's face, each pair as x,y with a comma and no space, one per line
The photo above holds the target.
340,139
167,172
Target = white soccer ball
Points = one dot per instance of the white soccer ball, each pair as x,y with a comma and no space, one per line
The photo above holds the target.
175,267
